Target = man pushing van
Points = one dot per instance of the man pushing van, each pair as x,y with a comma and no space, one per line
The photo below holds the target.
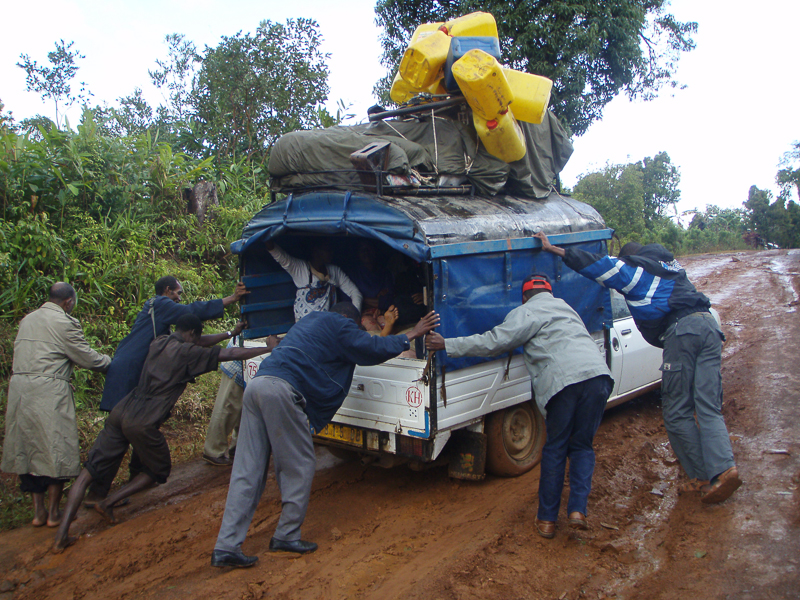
294,394
673,315
571,384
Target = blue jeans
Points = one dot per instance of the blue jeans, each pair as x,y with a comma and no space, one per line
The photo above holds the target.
573,416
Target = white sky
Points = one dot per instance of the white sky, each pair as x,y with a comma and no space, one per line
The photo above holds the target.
726,131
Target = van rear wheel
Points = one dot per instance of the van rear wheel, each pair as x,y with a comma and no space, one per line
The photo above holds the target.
515,437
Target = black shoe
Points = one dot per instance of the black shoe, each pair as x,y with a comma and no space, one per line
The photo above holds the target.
217,461
224,558
299,546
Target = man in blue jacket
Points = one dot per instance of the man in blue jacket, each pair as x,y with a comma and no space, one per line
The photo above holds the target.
673,315
154,320
295,393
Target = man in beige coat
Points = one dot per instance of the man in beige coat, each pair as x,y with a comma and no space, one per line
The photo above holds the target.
41,442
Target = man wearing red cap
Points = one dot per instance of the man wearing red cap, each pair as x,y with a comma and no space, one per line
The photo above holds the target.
571,384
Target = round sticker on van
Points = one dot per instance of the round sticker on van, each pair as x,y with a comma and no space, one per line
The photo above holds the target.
414,397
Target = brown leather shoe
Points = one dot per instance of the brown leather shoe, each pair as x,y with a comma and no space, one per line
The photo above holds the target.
722,486
546,529
694,485
577,520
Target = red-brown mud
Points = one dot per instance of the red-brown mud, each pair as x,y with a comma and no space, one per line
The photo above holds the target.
404,534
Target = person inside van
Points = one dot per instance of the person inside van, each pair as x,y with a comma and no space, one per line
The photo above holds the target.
376,284
316,280
571,384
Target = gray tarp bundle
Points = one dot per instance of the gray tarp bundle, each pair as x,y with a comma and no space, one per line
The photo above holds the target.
321,157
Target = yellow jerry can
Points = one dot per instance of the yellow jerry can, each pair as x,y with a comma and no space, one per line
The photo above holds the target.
473,24
483,83
531,95
424,31
502,136
402,91
423,60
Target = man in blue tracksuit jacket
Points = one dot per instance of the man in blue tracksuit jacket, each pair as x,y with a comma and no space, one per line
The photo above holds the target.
673,315
295,393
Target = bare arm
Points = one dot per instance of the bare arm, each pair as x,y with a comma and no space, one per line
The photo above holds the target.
547,246
242,353
425,324
213,339
238,292
391,317
245,353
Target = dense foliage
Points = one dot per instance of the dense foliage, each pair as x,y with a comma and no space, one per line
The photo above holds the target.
593,51
103,205
638,200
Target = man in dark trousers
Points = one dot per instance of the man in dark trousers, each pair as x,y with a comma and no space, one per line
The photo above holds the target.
673,315
173,361
571,385
295,393
157,315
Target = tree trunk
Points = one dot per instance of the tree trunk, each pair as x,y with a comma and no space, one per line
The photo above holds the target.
203,195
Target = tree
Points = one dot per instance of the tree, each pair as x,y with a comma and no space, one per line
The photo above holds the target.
793,235
617,192
6,119
756,206
778,223
251,89
176,74
592,51
789,175
134,115
660,179
54,82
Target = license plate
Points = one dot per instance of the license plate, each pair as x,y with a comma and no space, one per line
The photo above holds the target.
343,433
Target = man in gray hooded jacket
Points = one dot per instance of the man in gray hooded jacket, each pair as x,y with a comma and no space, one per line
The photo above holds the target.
571,384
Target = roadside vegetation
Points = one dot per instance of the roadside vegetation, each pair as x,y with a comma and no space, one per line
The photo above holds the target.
102,203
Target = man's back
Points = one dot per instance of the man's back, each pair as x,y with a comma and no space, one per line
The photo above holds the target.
132,351
318,356
557,348
654,284
171,364
39,345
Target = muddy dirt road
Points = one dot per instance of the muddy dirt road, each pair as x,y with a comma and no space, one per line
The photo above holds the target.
398,533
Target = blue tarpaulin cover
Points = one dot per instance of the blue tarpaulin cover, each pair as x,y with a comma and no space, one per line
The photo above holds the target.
479,249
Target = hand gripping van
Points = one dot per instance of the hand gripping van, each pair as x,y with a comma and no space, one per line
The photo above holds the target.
469,256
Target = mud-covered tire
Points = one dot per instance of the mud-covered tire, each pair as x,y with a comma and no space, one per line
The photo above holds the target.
515,437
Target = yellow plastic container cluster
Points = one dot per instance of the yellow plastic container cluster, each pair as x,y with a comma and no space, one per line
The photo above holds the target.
498,96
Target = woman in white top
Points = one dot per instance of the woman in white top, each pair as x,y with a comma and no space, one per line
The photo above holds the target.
316,280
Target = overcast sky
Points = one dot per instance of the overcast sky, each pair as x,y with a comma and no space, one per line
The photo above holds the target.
726,131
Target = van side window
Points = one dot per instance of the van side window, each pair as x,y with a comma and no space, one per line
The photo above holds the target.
619,308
